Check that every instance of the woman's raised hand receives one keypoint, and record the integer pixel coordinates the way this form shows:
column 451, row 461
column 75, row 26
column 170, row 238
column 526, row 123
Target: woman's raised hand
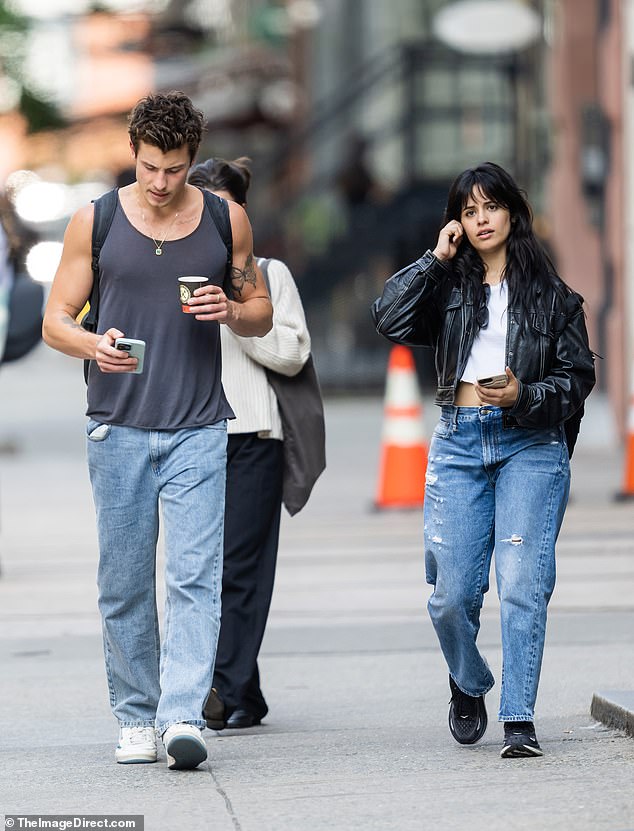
column 448, row 240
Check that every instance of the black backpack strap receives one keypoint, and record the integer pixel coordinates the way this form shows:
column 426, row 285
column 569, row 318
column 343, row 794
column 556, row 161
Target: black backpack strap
column 105, row 207
column 219, row 211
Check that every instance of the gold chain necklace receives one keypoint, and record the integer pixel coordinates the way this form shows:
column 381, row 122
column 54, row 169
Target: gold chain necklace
column 159, row 245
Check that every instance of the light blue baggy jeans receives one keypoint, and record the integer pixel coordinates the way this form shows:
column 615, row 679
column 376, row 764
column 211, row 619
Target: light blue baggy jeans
column 490, row 487
column 132, row 472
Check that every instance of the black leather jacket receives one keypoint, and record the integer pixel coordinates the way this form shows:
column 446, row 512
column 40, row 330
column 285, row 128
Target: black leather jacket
column 425, row 305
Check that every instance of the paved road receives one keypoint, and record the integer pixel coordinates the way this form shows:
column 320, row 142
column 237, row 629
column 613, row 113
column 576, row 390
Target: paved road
column 356, row 737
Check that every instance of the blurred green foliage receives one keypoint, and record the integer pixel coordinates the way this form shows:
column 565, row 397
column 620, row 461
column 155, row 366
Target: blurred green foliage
column 39, row 113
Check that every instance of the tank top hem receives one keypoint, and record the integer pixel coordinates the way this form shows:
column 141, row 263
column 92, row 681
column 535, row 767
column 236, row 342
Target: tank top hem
column 194, row 426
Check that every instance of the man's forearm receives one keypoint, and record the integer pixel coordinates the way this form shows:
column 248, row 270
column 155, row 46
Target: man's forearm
column 62, row 332
column 251, row 319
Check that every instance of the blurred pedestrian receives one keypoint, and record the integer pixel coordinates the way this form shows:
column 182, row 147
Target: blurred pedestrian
column 18, row 333
column 6, row 281
column 15, row 241
column 254, row 473
column 355, row 180
column 6, row 275
column 514, row 369
column 159, row 437
column 359, row 190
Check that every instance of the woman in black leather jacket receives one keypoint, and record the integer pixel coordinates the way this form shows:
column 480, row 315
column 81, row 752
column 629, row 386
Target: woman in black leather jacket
column 514, row 369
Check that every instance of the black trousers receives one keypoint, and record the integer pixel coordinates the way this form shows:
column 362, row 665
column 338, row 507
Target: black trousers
column 252, row 528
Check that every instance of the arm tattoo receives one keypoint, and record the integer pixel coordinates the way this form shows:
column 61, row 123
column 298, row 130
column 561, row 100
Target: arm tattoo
column 240, row 276
column 71, row 323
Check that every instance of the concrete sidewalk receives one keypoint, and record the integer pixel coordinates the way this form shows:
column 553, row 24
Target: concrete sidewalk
column 357, row 733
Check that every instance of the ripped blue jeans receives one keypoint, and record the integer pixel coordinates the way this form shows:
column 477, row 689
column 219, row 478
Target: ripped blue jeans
column 491, row 488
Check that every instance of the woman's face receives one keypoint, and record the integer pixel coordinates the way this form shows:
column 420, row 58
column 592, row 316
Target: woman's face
column 486, row 224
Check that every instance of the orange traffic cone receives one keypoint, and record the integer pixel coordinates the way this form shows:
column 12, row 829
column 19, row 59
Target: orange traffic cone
column 404, row 450
column 628, row 474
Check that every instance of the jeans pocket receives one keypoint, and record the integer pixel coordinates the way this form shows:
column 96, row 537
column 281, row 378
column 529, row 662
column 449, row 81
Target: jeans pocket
column 443, row 429
column 96, row 431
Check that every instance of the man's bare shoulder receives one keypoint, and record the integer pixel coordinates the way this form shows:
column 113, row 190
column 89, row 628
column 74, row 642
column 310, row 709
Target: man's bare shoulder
column 79, row 229
column 84, row 216
column 238, row 218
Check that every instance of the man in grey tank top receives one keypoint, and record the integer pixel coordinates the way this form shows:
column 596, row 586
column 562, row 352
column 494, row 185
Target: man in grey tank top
column 157, row 438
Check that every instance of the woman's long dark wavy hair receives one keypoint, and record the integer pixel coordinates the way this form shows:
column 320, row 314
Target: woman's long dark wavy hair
column 529, row 271
column 221, row 174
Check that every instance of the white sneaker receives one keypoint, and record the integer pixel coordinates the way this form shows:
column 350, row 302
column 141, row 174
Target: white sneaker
column 184, row 746
column 137, row 746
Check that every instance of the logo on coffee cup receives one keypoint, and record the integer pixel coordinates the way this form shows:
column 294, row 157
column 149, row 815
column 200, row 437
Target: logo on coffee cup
column 186, row 288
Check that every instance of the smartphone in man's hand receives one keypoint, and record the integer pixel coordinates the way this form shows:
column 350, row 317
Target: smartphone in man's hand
column 135, row 349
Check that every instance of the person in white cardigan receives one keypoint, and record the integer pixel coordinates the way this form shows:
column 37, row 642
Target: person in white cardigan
column 254, row 474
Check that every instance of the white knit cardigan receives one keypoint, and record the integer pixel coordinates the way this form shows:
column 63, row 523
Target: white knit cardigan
column 285, row 349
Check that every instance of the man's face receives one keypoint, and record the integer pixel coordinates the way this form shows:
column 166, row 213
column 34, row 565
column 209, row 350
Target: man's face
column 161, row 176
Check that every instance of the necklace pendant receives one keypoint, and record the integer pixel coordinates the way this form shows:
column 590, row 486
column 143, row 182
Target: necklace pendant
column 158, row 252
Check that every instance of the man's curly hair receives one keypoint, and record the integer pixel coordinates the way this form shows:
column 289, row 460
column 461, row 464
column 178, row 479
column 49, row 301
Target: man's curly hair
column 167, row 121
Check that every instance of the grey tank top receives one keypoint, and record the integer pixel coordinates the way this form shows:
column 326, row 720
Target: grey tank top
column 181, row 381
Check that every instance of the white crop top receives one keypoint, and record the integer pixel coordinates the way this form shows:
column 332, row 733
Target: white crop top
column 488, row 353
